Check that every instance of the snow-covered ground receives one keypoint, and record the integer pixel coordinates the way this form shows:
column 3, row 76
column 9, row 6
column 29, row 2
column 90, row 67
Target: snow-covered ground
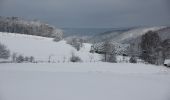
column 84, row 81
column 42, row 48
column 76, row 81
column 134, row 33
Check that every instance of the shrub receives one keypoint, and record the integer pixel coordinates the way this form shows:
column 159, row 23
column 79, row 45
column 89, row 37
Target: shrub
column 133, row 59
column 75, row 58
column 57, row 39
column 31, row 59
column 20, row 59
column 112, row 58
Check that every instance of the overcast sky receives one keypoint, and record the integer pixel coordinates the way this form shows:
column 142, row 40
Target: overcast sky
column 91, row 13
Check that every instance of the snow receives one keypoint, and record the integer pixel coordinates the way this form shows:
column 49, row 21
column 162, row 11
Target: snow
column 87, row 80
column 84, row 81
column 134, row 33
column 117, row 68
column 167, row 61
column 41, row 48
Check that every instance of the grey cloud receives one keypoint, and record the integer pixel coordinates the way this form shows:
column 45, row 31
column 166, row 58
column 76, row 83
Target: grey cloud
column 91, row 13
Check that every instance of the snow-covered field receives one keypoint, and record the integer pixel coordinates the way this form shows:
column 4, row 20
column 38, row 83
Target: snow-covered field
column 84, row 81
column 42, row 48
column 75, row 81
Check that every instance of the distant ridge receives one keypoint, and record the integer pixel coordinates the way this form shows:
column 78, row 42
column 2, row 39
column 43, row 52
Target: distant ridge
column 128, row 34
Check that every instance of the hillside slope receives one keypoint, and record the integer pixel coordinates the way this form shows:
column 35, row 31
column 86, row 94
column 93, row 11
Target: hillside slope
column 42, row 48
column 164, row 33
column 125, row 35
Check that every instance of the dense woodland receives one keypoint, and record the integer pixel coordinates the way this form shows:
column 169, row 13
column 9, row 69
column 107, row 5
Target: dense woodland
column 149, row 47
column 19, row 25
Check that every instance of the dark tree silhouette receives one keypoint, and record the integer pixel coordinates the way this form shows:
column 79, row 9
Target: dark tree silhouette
column 4, row 52
column 151, row 48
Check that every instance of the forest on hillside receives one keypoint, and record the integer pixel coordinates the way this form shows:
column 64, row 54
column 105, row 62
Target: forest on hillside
column 19, row 25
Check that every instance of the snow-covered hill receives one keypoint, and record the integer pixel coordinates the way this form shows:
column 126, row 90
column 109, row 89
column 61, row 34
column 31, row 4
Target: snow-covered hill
column 125, row 35
column 75, row 81
column 134, row 33
column 109, row 35
column 164, row 33
column 42, row 48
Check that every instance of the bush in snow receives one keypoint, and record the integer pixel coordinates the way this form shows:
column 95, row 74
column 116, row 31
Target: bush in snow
column 112, row 58
column 4, row 52
column 133, row 59
column 26, row 59
column 20, row 59
column 57, row 39
column 75, row 58
column 31, row 59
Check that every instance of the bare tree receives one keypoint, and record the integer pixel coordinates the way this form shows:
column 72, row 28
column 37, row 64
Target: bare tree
column 32, row 59
column 151, row 48
column 4, row 52
column 166, row 48
column 49, row 58
column 58, row 35
column 76, row 43
column 91, row 57
column 109, row 52
column 14, row 57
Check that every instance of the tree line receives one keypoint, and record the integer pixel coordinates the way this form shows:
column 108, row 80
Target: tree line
column 16, row 58
column 149, row 48
column 19, row 25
